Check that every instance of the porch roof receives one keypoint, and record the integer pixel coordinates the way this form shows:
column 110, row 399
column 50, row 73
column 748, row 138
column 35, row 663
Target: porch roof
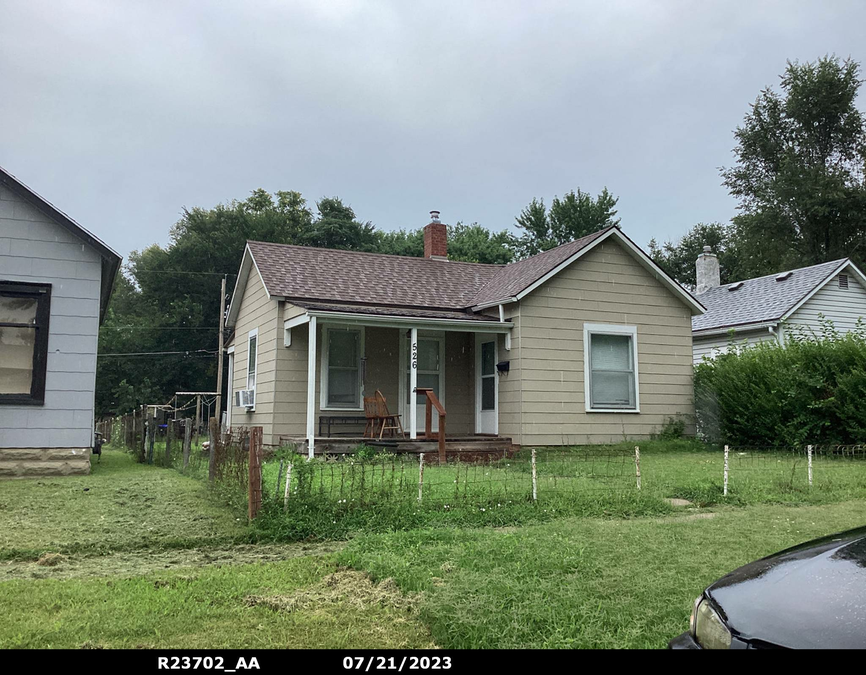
column 392, row 311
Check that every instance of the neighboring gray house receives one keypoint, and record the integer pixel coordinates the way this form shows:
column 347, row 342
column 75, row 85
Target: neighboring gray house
column 589, row 342
column 757, row 310
column 55, row 282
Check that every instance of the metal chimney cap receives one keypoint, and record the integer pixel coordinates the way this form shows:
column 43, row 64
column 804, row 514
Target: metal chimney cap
column 434, row 216
column 708, row 249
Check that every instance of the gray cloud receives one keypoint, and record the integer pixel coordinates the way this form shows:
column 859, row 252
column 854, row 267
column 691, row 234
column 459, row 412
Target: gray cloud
column 122, row 113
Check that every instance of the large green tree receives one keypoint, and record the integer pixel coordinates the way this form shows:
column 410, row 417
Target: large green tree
column 167, row 299
column 575, row 215
column 799, row 172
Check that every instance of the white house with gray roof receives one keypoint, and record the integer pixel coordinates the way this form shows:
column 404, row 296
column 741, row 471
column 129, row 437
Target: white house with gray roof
column 768, row 307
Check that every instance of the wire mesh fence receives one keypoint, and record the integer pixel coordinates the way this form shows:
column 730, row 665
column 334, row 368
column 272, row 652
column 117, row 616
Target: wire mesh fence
column 794, row 469
column 572, row 475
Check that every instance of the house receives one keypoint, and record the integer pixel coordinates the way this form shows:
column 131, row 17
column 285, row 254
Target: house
column 766, row 308
column 55, row 282
column 589, row 342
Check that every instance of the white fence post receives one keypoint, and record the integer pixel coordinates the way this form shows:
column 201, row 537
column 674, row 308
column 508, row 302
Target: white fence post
column 534, row 478
column 725, row 493
column 809, row 456
column 637, row 465
column 288, row 482
column 420, row 476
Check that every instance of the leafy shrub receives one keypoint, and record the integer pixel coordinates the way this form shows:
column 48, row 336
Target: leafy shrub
column 812, row 390
column 673, row 429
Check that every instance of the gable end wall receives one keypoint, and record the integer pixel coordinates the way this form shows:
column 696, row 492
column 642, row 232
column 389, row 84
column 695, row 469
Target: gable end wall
column 542, row 399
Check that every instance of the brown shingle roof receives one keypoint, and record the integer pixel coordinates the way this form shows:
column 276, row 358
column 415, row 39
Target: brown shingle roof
column 512, row 279
column 302, row 272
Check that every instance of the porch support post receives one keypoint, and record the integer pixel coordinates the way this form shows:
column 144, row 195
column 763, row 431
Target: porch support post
column 311, row 389
column 413, row 385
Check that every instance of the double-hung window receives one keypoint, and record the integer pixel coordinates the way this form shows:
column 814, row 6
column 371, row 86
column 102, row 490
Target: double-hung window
column 24, row 312
column 610, row 360
column 341, row 368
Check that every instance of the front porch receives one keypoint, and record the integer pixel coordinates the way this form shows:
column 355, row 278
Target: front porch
column 416, row 365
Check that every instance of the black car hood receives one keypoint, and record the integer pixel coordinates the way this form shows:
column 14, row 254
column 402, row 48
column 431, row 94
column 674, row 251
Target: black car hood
column 809, row 596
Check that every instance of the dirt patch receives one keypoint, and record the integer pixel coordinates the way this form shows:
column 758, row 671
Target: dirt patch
column 137, row 563
column 345, row 588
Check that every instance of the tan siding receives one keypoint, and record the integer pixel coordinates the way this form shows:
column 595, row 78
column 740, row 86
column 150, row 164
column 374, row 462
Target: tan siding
column 257, row 311
column 542, row 398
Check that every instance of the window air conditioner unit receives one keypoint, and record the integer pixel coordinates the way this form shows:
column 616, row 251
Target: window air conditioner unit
column 245, row 398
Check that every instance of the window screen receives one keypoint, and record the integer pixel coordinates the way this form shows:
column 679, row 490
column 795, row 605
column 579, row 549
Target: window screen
column 612, row 381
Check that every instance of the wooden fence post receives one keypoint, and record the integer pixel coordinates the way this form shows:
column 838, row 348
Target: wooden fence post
column 420, row 476
column 534, row 478
column 637, row 465
column 187, row 441
column 169, row 439
column 151, row 433
column 213, row 436
column 809, row 455
column 255, row 469
column 725, row 491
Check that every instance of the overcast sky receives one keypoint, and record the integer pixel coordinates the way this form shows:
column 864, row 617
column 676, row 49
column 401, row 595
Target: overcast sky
column 123, row 112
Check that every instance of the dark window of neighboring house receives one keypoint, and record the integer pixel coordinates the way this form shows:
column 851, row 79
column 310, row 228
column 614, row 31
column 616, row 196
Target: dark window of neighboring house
column 24, row 310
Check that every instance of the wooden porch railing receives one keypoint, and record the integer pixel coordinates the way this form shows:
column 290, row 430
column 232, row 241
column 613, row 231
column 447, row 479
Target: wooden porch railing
column 434, row 402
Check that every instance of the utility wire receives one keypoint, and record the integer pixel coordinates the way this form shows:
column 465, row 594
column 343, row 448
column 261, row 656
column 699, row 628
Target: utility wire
column 201, row 353
column 159, row 328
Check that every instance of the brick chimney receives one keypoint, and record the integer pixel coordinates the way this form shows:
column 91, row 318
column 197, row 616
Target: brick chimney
column 436, row 238
column 707, row 269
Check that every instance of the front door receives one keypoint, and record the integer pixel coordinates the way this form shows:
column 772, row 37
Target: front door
column 486, row 386
column 431, row 373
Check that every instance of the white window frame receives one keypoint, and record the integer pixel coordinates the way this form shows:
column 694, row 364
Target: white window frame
column 608, row 329
column 323, row 375
column 254, row 333
column 230, row 388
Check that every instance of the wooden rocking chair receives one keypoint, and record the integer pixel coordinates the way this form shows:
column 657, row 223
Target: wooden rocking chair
column 371, row 412
column 390, row 422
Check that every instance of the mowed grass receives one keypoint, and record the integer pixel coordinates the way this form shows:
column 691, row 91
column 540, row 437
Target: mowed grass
column 306, row 602
column 121, row 505
column 582, row 583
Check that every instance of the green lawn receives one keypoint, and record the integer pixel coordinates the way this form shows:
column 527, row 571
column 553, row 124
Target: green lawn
column 575, row 582
column 306, row 602
column 121, row 505
column 150, row 558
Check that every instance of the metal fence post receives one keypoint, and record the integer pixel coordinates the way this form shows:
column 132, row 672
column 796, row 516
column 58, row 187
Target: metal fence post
column 637, row 465
column 279, row 480
column 725, row 492
column 534, row 478
column 420, row 476
column 187, row 441
column 809, row 457
column 288, row 483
